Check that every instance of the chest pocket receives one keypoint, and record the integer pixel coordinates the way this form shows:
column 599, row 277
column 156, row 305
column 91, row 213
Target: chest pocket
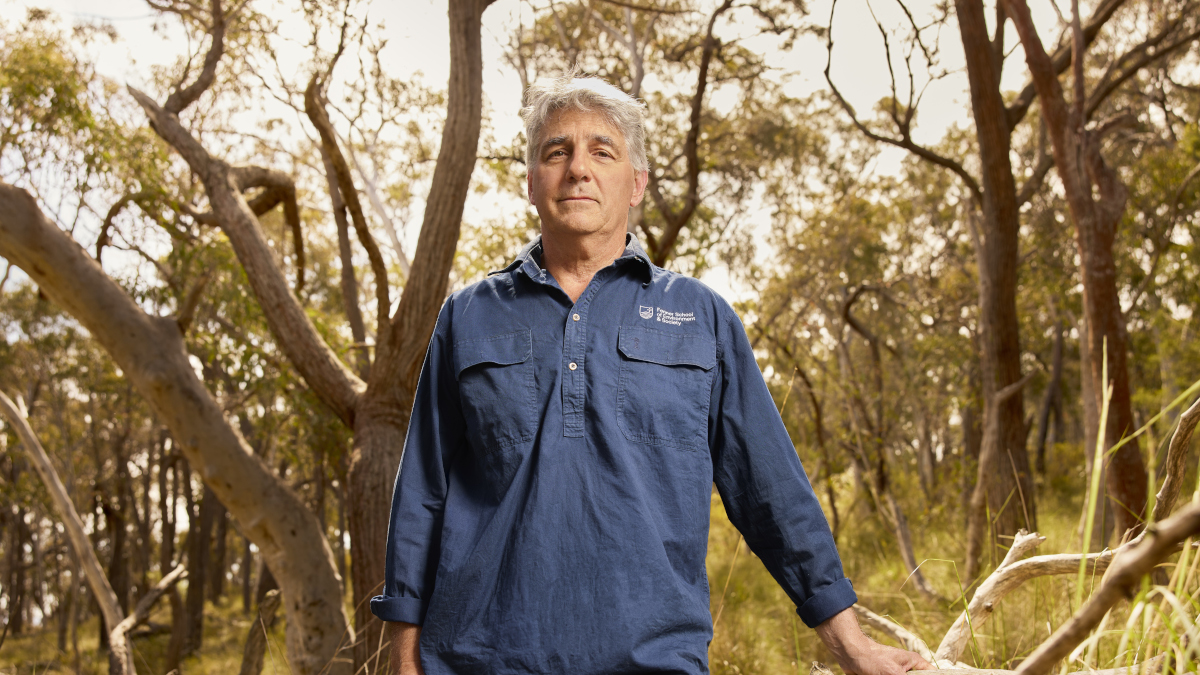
column 496, row 386
column 665, row 387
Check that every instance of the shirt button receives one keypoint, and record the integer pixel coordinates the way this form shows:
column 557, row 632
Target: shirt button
column 575, row 317
column 572, row 366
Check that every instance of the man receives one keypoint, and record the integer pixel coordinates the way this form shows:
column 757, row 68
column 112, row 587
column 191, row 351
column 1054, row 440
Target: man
column 575, row 408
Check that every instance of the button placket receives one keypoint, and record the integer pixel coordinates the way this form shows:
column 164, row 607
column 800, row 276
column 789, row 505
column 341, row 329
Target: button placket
column 574, row 349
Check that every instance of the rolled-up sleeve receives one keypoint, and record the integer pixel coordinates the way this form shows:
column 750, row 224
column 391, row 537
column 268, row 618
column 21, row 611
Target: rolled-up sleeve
column 763, row 486
column 435, row 432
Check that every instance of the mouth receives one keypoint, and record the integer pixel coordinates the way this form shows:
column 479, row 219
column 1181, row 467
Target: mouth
column 577, row 199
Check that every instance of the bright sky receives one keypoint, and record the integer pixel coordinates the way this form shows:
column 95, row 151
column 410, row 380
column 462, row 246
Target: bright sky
column 417, row 31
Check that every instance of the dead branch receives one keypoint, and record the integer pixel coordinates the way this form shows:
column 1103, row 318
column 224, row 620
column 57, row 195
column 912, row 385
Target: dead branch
column 120, row 659
column 120, row 635
column 1008, row 576
column 1136, row 559
column 1148, row 667
column 893, row 630
column 1174, row 465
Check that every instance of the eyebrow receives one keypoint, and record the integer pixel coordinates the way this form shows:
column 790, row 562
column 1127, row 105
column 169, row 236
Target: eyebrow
column 561, row 140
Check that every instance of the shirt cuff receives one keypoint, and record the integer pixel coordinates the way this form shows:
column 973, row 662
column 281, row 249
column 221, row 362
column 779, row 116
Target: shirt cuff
column 820, row 607
column 408, row 610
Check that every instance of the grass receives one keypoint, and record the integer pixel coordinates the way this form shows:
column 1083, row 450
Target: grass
column 758, row 631
column 225, row 631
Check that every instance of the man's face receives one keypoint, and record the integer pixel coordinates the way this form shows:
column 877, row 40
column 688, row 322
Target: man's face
column 582, row 181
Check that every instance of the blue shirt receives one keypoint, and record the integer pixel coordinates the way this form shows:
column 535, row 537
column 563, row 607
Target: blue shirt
column 552, row 506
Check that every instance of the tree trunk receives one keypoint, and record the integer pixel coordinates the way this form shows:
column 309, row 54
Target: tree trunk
column 120, row 658
column 1103, row 520
column 1009, row 486
column 1096, row 199
column 1052, row 394
column 217, row 566
column 151, row 353
column 381, row 420
column 256, row 638
column 200, row 528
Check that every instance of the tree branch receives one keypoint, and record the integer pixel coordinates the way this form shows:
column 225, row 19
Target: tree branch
column 676, row 221
column 120, row 659
column 1061, row 60
column 185, row 96
column 1136, row 559
column 151, row 352
column 1174, row 466
column 905, row 141
column 314, row 107
column 328, row 377
column 279, row 188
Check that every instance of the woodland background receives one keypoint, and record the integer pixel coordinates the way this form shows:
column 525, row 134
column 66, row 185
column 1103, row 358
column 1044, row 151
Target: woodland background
column 218, row 290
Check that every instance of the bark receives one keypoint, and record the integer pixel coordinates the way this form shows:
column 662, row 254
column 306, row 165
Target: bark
column 980, row 518
column 1096, row 199
column 256, row 639
column 151, row 353
column 381, row 420
column 1009, row 486
column 1091, row 432
column 120, row 656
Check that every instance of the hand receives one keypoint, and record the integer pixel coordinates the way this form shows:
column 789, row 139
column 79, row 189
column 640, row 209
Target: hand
column 858, row 654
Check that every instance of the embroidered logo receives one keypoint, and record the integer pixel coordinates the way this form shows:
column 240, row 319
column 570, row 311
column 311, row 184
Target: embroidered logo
column 674, row 318
column 645, row 312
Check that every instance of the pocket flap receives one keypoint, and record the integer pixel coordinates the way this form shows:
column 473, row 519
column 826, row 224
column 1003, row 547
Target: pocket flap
column 502, row 350
column 668, row 349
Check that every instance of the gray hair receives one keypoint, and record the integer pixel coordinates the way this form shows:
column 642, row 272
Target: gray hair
column 623, row 111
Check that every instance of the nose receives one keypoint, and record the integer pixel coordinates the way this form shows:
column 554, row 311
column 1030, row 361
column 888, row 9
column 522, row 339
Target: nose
column 579, row 170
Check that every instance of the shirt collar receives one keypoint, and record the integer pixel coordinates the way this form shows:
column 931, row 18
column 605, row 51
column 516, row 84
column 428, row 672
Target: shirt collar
column 529, row 259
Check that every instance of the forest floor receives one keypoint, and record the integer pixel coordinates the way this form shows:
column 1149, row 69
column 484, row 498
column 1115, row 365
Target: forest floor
column 756, row 628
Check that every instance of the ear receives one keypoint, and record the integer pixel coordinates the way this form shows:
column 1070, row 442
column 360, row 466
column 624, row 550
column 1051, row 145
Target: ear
column 639, row 187
column 529, row 185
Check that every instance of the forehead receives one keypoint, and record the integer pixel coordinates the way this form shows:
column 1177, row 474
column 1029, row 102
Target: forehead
column 572, row 122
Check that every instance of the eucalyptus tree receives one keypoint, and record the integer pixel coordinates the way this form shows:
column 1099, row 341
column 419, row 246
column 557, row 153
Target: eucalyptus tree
column 1097, row 198
column 150, row 350
column 708, row 162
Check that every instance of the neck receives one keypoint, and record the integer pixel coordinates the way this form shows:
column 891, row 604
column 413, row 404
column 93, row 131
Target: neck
column 574, row 260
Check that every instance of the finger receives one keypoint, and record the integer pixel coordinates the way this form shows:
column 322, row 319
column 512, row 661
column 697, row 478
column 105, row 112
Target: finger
column 918, row 663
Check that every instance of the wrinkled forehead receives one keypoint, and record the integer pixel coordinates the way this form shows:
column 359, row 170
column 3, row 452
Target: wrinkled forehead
column 572, row 123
